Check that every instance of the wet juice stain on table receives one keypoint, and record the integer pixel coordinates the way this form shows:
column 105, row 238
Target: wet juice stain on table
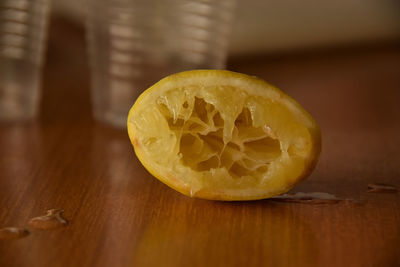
column 382, row 188
column 8, row 233
column 308, row 198
column 53, row 219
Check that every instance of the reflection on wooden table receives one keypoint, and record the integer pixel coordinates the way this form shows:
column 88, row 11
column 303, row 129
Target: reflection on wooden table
column 119, row 215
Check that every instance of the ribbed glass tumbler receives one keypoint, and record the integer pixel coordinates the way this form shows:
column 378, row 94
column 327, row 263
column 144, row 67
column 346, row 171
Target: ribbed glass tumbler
column 23, row 30
column 134, row 43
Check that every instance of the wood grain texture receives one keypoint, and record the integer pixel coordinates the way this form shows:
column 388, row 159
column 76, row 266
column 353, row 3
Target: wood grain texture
column 119, row 215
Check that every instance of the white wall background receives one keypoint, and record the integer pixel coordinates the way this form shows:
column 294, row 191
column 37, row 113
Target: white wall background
column 276, row 25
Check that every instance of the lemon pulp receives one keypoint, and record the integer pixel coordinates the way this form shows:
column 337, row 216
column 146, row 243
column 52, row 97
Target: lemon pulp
column 222, row 135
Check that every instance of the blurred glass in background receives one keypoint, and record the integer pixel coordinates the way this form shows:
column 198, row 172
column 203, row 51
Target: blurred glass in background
column 135, row 43
column 23, row 29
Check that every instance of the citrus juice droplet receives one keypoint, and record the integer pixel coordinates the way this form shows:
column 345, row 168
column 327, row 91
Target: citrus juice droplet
column 13, row 233
column 53, row 219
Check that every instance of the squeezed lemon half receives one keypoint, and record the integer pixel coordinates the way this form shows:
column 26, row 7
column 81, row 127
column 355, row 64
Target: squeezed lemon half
column 222, row 135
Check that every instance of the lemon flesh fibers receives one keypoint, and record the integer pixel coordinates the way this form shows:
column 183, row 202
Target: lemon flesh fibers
column 222, row 135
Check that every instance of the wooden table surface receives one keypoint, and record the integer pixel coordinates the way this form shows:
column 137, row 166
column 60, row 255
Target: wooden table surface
column 119, row 215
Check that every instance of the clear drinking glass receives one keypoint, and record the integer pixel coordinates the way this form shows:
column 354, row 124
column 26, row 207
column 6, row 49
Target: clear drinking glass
column 23, row 30
column 134, row 43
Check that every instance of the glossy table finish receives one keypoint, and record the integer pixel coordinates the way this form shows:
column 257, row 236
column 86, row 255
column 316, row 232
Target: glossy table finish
column 119, row 215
